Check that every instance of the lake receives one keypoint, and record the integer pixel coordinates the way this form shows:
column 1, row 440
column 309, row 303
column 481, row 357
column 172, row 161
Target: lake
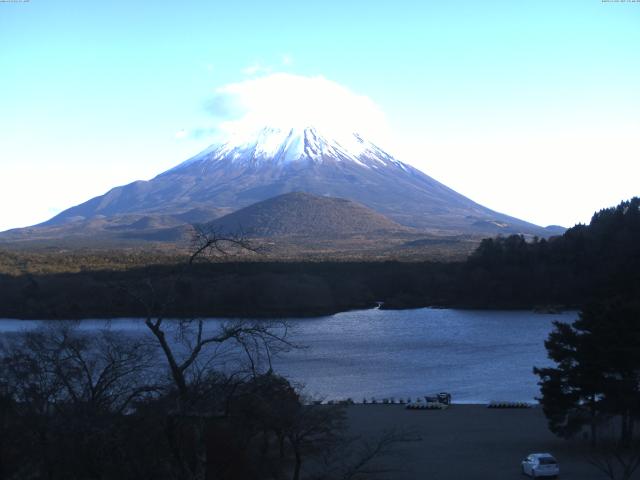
column 477, row 356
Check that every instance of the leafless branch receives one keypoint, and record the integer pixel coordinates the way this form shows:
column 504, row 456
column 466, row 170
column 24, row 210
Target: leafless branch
column 208, row 242
column 616, row 460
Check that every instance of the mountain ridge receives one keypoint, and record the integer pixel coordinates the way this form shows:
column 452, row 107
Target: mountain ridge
column 247, row 169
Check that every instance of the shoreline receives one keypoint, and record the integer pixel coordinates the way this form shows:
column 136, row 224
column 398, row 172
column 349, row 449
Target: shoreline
column 266, row 316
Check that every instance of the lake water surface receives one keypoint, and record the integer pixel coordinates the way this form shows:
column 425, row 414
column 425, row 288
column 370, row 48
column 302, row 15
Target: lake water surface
column 477, row 356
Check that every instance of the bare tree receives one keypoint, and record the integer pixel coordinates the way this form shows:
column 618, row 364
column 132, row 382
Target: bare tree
column 103, row 371
column 313, row 430
column 66, row 391
column 617, row 462
column 7, row 426
column 358, row 458
column 366, row 461
column 318, row 437
column 614, row 457
column 188, row 344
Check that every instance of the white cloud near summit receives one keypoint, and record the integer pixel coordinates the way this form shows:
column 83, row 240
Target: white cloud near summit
column 284, row 100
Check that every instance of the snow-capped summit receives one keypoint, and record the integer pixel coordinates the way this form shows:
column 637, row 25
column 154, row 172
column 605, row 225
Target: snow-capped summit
column 280, row 146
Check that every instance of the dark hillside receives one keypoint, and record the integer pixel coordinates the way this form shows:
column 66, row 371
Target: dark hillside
column 306, row 215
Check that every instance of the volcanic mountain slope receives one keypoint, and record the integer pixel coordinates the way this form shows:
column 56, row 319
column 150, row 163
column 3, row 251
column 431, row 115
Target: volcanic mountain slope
column 305, row 215
column 248, row 169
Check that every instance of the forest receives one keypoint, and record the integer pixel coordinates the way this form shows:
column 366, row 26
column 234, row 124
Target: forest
column 599, row 260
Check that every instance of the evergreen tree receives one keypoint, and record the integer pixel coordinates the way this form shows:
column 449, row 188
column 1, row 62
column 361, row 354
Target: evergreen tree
column 597, row 373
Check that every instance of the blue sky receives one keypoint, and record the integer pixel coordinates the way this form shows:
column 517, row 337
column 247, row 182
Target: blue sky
column 531, row 107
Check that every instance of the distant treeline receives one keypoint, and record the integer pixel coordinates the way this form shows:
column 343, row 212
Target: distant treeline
column 586, row 263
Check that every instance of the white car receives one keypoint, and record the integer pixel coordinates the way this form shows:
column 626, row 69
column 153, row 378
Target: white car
column 540, row 465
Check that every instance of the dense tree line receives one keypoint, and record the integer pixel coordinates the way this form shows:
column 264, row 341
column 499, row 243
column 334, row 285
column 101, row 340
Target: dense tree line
column 594, row 387
column 256, row 289
column 596, row 261
column 599, row 260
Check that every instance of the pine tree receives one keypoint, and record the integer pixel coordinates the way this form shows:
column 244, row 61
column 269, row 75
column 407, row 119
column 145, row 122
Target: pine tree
column 597, row 373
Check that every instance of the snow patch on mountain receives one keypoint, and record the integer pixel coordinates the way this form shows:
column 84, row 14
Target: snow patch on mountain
column 282, row 146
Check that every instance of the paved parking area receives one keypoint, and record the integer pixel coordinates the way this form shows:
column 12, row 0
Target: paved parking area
column 469, row 442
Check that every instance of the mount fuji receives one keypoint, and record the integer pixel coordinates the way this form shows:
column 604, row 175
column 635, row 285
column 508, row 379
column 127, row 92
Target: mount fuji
column 246, row 169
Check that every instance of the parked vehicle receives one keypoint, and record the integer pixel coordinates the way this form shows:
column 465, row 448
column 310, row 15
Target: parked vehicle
column 540, row 465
